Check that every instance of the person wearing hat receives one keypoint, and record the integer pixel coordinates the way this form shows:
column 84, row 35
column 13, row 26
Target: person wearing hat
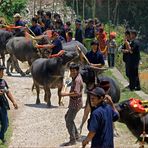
column 4, row 105
column 105, row 85
column 17, row 20
column 94, row 56
column 111, row 49
column 100, row 125
column 78, row 31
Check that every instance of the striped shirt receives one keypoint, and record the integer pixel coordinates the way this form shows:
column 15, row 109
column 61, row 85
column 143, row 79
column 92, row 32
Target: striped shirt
column 77, row 86
column 112, row 48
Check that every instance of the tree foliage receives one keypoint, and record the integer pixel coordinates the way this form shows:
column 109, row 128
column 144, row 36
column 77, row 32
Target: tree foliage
column 9, row 7
column 132, row 13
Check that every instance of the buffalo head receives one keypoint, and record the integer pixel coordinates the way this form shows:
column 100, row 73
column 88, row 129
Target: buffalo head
column 126, row 112
column 89, row 73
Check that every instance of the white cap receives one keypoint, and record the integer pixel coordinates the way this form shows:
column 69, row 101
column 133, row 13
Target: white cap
column 17, row 15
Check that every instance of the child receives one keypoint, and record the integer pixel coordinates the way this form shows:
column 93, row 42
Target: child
column 100, row 124
column 75, row 103
column 4, row 106
column 111, row 44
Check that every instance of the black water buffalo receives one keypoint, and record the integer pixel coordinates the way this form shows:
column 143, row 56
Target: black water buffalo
column 4, row 38
column 133, row 120
column 91, row 77
column 49, row 73
column 88, row 76
column 21, row 49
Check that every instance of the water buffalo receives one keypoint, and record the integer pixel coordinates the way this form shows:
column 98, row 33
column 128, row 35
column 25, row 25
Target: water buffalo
column 88, row 76
column 133, row 120
column 49, row 73
column 91, row 78
column 4, row 38
column 21, row 49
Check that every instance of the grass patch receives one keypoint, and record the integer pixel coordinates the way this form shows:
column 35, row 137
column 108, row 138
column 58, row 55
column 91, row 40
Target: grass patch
column 142, row 67
column 126, row 94
column 8, row 134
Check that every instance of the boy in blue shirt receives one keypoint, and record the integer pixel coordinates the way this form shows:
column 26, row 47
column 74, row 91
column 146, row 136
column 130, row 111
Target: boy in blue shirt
column 100, row 124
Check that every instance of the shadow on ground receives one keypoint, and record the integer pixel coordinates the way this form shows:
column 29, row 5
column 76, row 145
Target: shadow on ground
column 42, row 105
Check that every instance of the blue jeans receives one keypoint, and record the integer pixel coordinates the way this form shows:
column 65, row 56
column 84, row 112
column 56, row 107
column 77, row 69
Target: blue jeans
column 111, row 60
column 3, row 122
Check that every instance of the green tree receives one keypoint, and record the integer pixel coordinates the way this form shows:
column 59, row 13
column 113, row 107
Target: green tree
column 8, row 7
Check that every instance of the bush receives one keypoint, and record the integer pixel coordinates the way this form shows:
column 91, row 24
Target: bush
column 9, row 8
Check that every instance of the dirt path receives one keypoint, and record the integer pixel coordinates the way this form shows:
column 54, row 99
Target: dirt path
column 38, row 126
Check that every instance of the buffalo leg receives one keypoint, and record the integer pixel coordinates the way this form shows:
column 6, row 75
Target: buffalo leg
column 38, row 93
column 60, row 98
column 29, row 69
column 3, row 59
column 17, row 67
column 8, row 66
column 47, row 96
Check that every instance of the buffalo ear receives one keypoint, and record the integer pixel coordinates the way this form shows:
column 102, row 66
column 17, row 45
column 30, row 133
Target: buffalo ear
column 68, row 57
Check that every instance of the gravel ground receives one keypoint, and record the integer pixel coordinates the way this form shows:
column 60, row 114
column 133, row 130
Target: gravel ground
column 36, row 126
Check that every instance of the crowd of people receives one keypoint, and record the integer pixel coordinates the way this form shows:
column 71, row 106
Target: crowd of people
column 85, row 32
column 94, row 37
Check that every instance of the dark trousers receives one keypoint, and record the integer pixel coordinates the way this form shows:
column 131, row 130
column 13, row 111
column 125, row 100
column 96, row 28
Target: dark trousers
column 70, row 124
column 3, row 122
column 134, row 76
column 127, row 69
column 111, row 60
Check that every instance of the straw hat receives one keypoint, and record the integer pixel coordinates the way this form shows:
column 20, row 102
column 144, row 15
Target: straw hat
column 17, row 15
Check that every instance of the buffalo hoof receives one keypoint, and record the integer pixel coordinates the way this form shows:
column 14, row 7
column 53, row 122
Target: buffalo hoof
column 45, row 99
column 23, row 74
column 48, row 104
column 8, row 74
column 27, row 72
column 61, row 104
column 11, row 69
column 38, row 102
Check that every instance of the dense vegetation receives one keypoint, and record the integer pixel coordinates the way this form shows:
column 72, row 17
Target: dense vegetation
column 9, row 7
column 132, row 13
